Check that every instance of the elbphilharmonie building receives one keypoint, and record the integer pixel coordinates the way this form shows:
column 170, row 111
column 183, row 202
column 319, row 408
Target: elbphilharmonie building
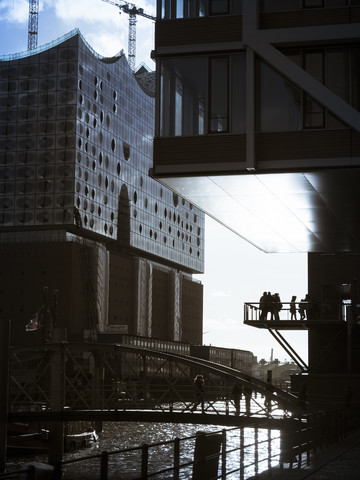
column 83, row 226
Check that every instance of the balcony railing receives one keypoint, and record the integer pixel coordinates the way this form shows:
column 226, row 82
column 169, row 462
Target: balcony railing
column 304, row 311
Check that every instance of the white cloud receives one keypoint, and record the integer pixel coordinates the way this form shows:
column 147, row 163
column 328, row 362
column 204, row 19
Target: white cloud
column 14, row 12
column 220, row 294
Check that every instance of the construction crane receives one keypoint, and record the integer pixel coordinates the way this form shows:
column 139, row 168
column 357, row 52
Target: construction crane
column 132, row 11
column 33, row 24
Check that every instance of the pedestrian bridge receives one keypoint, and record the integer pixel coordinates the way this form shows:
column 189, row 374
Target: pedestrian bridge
column 111, row 382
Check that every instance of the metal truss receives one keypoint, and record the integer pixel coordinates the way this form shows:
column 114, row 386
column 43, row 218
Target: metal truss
column 71, row 377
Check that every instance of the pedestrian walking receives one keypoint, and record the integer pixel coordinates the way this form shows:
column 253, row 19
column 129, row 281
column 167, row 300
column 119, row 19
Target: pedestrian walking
column 236, row 394
column 199, row 392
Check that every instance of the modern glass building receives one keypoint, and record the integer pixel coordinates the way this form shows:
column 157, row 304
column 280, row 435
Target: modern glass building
column 79, row 213
column 258, row 124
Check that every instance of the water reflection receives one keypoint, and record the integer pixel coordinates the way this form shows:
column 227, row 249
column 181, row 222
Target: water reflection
column 116, row 436
column 123, row 435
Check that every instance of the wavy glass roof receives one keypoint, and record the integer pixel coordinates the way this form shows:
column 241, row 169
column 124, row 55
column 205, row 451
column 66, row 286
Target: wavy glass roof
column 54, row 43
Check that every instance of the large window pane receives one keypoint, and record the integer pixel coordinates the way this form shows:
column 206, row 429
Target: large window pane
column 280, row 5
column 178, row 107
column 171, row 9
column 337, row 72
column 314, row 64
column 313, row 3
column 219, row 95
column 183, row 92
column 219, row 7
column 355, row 77
column 280, row 102
column 238, row 94
column 313, row 114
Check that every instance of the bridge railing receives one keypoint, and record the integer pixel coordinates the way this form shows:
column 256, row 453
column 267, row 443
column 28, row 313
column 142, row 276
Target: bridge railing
column 188, row 457
column 56, row 377
column 236, row 452
column 254, row 312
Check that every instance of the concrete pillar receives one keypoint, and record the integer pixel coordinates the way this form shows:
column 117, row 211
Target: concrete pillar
column 4, row 388
column 175, row 306
column 143, row 293
column 57, row 391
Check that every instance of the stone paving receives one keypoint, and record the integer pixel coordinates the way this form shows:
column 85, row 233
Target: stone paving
column 338, row 462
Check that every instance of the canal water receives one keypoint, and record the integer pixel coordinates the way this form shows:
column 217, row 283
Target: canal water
column 122, row 435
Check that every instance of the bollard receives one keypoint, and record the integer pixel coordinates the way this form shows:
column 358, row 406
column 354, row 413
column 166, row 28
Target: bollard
column 206, row 456
column 176, row 458
column 104, row 466
column 144, row 461
column 39, row 471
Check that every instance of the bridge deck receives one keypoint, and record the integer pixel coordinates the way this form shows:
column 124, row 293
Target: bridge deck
column 294, row 324
column 153, row 416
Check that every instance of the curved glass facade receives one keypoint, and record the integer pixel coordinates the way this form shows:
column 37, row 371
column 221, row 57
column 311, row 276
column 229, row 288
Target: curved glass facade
column 76, row 140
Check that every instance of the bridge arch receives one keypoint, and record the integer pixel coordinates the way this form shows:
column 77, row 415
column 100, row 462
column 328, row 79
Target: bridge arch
column 89, row 377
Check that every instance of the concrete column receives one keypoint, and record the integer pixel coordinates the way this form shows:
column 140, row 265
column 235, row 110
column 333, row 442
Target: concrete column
column 57, row 391
column 143, row 294
column 4, row 388
column 175, row 306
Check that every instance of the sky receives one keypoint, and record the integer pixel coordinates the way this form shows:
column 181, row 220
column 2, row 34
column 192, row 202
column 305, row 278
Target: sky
column 235, row 271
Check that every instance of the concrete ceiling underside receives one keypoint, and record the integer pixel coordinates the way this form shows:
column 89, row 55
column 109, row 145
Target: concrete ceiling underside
column 315, row 211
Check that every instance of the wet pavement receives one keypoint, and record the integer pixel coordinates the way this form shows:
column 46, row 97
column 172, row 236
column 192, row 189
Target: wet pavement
column 338, row 462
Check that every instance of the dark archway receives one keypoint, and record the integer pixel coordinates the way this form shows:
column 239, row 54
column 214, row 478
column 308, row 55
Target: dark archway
column 123, row 224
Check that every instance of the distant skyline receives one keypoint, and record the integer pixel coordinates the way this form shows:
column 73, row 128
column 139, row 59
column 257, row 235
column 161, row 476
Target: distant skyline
column 235, row 271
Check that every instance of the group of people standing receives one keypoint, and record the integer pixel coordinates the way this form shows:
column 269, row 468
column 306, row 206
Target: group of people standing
column 272, row 304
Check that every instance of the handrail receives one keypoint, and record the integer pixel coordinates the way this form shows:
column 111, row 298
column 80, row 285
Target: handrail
column 312, row 311
column 295, row 449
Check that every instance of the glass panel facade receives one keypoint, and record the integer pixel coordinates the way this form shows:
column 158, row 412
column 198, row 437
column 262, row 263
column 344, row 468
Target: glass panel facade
column 279, row 102
column 202, row 95
column 174, row 9
column 183, row 93
column 219, row 104
column 313, row 3
column 314, row 114
column 219, row 7
column 338, row 61
column 297, row 5
column 337, row 68
column 355, row 78
column 238, row 94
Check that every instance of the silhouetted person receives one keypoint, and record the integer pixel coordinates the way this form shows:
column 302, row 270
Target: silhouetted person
column 270, row 389
column 236, row 394
column 268, row 305
column 248, row 393
column 262, row 306
column 302, row 308
column 276, row 307
column 199, row 392
column 293, row 308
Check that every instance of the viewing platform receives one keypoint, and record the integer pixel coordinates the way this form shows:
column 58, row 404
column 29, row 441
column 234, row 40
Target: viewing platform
column 315, row 314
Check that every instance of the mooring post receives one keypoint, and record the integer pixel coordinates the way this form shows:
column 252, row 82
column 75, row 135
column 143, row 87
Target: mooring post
column 4, row 388
column 176, row 458
column 56, row 428
column 206, row 456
